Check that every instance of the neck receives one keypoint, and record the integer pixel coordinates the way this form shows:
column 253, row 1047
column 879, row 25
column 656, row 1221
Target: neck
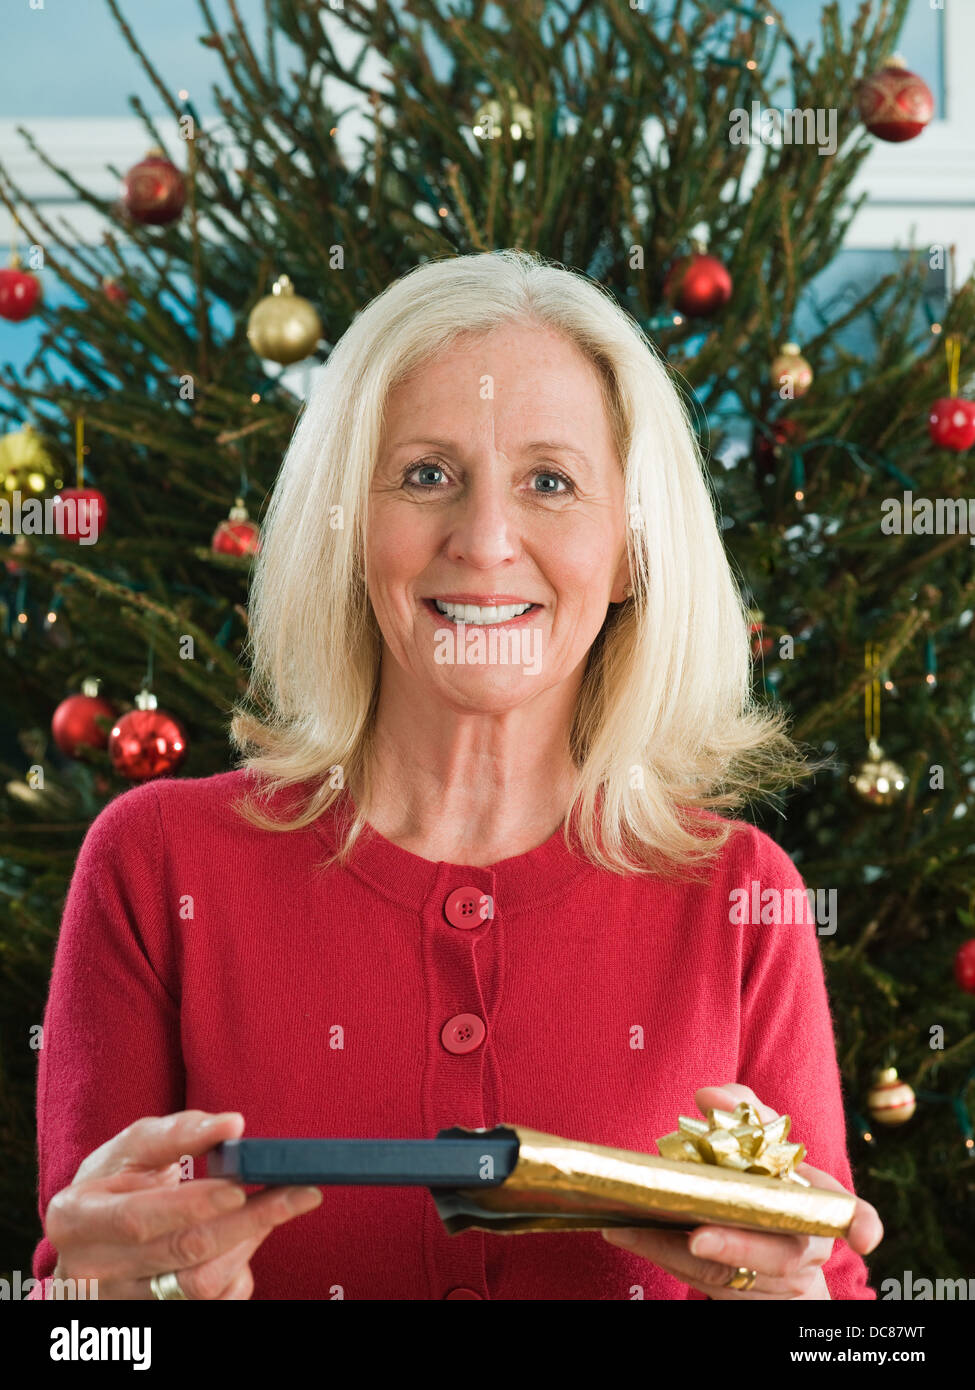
column 468, row 786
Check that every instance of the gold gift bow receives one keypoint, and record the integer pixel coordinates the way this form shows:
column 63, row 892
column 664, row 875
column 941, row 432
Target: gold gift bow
column 737, row 1139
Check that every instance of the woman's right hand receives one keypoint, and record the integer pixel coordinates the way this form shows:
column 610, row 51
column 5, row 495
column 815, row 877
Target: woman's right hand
column 127, row 1216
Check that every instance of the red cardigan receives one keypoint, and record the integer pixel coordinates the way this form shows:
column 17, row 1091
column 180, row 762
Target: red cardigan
column 322, row 1003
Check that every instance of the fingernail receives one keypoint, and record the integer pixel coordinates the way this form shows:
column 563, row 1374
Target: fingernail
column 707, row 1246
column 621, row 1235
column 212, row 1121
column 301, row 1198
column 229, row 1198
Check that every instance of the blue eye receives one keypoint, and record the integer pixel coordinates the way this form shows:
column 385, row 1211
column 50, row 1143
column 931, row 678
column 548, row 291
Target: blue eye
column 548, row 473
column 430, row 484
column 420, row 468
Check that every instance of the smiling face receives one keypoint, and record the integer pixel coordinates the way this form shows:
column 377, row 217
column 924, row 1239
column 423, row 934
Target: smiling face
column 497, row 486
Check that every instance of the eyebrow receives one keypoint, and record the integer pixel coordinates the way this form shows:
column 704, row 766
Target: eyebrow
column 535, row 446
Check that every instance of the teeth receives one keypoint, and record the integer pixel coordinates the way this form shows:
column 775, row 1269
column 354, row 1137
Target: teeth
column 477, row 616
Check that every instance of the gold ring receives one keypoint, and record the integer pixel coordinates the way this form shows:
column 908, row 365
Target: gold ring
column 166, row 1286
column 741, row 1278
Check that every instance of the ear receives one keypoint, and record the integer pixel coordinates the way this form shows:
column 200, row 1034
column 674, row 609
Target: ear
column 622, row 584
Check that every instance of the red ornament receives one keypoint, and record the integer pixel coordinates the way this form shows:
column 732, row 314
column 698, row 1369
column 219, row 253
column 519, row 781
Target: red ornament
column 238, row 535
column 154, row 191
column 768, row 451
column 147, row 742
column 951, row 423
column 965, row 967
column 75, row 723
column 697, row 285
column 20, row 292
column 83, row 520
column 761, row 645
column 15, row 553
column 894, row 104
column 114, row 291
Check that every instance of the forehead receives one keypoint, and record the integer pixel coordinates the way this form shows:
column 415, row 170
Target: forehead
column 517, row 373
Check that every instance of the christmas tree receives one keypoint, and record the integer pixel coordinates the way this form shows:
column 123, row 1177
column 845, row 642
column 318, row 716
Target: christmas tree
column 610, row 137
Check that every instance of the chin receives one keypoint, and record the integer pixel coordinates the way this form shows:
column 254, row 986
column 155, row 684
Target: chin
column 487, row 697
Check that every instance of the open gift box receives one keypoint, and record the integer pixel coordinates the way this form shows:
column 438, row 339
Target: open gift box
column 726, row 1170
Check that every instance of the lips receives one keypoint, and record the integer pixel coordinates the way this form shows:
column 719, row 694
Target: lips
column 482, row 600
column 481, row 615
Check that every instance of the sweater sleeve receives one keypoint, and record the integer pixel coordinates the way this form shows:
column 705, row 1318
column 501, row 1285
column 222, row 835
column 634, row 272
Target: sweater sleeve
column 787, row 1049
column 111, row 1040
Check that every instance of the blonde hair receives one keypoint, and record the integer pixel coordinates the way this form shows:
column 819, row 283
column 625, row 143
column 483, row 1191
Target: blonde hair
column 666, row 731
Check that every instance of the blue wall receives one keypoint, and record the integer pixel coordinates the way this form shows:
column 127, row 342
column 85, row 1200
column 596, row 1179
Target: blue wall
column 69, row 58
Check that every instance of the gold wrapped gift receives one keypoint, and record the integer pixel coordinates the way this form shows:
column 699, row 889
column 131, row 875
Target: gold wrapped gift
column 728, row 1170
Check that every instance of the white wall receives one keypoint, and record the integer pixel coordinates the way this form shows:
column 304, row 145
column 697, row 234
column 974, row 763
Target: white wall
column 925, row 187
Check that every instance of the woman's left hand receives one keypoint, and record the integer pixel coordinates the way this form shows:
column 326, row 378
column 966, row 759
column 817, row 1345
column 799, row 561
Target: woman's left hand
column 788, row 1266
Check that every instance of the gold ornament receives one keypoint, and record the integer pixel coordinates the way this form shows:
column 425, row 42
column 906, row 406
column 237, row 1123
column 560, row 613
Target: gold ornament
column 491, row 120
column 878, row 780
column 890, row 1101
column 790, row 369
column 737, row 1139
column 26, row 466
column 283, row 326
column 21, row 791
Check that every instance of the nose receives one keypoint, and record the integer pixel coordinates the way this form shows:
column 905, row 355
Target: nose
column 483, row 524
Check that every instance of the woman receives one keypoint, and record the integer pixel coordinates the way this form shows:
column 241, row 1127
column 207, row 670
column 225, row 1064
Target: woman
column 471, row 871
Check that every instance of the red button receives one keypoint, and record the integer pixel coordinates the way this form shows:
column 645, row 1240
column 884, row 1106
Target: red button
column 463, row 1033
column 462, row 1293
column 464, row 908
